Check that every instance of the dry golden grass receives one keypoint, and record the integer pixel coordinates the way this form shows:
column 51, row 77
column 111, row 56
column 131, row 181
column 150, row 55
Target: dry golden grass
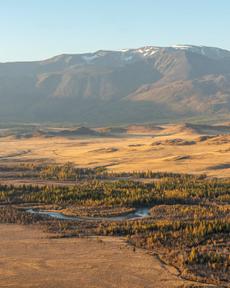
column 129, row 152
column 30, row 259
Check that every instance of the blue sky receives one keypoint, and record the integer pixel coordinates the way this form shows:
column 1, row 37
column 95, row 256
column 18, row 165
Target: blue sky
column 38, row 29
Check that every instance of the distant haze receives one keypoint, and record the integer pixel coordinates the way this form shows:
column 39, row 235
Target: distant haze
column 136, row 85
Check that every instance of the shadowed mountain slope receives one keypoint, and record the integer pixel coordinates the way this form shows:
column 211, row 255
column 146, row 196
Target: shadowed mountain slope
column 145, row 84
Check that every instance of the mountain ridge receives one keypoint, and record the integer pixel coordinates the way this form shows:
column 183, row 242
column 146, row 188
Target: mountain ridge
column 144, row 84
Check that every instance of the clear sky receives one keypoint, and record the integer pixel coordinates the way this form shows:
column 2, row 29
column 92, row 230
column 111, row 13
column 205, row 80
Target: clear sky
column 38, row 29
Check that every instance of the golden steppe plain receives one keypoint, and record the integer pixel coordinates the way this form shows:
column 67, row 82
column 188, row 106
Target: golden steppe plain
column 171, row 148
column 30, row 259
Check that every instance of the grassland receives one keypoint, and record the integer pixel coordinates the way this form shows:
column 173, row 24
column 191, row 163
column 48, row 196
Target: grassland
column 29, row 258
column 171, row 148
column 180, row 173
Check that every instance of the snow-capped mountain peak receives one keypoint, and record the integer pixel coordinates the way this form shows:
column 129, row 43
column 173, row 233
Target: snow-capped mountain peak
column 147, row 50
column 210, row 52
column 127, row 56
column 150, row 51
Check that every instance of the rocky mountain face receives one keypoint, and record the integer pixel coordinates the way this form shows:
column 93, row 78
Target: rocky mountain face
column 131, row 85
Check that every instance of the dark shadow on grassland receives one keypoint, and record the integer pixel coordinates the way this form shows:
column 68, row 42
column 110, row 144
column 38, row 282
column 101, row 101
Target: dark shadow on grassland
column 220, row 166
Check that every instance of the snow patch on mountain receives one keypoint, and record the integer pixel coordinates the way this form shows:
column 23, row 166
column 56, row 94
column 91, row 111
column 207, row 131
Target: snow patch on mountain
column 211, row 52
column 128, row 58
column 147, row 51
column 89, row 58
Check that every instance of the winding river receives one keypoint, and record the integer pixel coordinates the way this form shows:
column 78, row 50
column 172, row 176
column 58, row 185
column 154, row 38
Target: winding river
column 138, row 213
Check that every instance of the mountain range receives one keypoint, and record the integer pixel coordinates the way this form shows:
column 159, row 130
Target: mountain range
column 131, row 85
